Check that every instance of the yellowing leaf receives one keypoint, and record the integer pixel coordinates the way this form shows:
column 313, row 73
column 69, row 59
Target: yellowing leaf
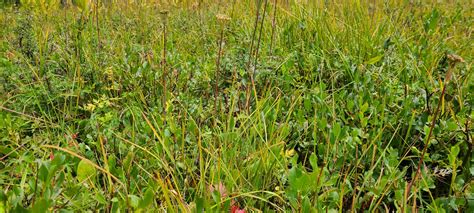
column 374, row 59
column 84, row 5
column 85, row 171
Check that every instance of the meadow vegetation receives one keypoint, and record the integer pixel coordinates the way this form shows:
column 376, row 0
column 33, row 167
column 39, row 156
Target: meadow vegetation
column 252, row 105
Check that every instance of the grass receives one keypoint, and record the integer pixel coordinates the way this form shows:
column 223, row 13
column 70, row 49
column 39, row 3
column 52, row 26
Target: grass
column 308, row 106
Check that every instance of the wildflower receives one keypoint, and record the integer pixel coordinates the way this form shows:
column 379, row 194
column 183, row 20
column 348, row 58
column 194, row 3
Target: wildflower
column 90, row 107
column 223, row 192
column 289, row 153
column 236, row 209
column 109, row 73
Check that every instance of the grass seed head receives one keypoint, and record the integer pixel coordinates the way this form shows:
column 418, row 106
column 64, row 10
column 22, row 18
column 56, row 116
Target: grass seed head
column 222, row 18
column 454, row 59
column 164, row 16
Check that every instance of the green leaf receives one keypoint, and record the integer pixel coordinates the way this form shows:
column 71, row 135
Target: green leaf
column 336, row 130
column 3, row 198
column 455, row 150
column 432, row 21
column 306, row 205
column 43, row 173
column 307, row 104
column 452, row 126
column 364, row 107
column 453, row 155
column 41, row 205
column 453, row 204
column 200, row 204
column 58, row 159
column 216, row 196
column 313, row 160
column 147, row 199
column 399, row 194
column 322, row 123
column 85, row 170
column 374, row 60
column 134, row 200
column 100, row 198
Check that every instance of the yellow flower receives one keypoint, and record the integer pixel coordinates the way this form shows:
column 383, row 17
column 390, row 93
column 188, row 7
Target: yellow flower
column 109, row 73
column 289, row 153
column 90, row 107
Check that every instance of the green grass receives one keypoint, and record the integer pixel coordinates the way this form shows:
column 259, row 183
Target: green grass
column 326, row 109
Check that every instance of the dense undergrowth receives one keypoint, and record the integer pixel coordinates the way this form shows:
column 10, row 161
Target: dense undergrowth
column 320, row 107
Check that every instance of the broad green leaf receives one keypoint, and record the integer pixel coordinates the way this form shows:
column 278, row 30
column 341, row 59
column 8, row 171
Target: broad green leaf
column 85, row 171
column 455, row 150
column 147, row 199
column 364, row 107
column 43, row 173
column 41, row 205
column 452, row 126
column 134, row 200
column 200, row 204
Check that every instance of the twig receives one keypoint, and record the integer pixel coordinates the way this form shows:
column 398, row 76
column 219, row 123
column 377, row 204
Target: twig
column 453, row 59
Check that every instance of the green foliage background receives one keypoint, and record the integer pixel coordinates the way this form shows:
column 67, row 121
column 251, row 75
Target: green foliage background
column 343, row 96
